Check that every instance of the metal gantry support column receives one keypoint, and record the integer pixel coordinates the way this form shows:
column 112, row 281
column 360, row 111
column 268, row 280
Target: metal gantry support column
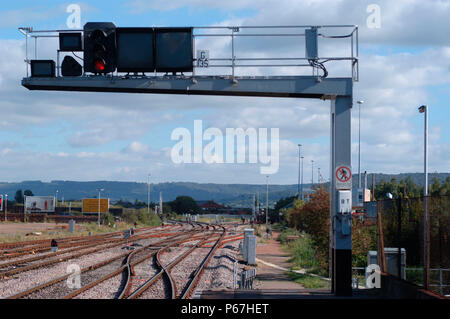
column 340, row 239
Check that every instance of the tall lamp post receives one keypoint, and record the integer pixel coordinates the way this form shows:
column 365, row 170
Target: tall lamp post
column 267, row 199
column 426, row 233
column 299, row 157
column 312, row 173
column 359, row 144
column 301, row 189
column 6, row 207
column 148, row 194
column 99, row 190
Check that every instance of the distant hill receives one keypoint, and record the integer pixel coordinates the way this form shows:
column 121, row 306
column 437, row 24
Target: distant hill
column 236, row 195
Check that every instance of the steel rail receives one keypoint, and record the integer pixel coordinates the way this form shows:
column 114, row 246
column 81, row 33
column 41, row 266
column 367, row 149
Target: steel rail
column 177, row 261
column 42, row 248
column 81, row 241
column 84, row 270
column 193, row 283
column 24, row 244
column 59, row 279
column 88, row 245
column 54, row 261
column 230, row 240
column 128, row 266
column 164, row 270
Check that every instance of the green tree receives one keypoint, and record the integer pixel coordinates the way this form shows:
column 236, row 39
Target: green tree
column 313, row 218
column 283, row 202
column 19, row 196
column 28, row 192
column 185, row 205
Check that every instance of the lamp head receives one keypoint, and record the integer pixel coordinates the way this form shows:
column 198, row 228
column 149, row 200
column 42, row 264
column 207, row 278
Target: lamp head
column 360, row 102
column 422, row 108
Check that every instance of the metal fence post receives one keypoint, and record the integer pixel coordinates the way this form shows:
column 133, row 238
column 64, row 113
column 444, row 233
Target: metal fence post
column 381, row 256
column 399, row 237
column 235, row 274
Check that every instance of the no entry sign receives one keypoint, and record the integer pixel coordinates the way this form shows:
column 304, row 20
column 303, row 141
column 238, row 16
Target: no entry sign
column 343, row 175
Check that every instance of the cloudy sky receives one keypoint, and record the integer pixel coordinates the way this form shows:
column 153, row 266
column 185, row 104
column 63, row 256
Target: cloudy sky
column 404, row 63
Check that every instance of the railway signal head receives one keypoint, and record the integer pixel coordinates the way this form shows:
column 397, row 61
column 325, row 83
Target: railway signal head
column 100, row 47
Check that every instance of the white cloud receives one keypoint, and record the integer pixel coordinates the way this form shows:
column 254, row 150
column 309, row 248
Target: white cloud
column 135, row 147
column 391, row 85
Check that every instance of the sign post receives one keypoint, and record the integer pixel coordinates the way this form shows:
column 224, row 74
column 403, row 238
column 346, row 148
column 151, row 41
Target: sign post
column 341, row 185
column 343, row 175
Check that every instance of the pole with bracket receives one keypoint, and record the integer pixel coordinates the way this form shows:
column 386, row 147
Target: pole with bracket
column 340, row 223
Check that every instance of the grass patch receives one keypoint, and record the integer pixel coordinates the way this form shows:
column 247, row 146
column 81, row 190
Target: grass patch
column 302, row 251
column 308, row 281
column 141, row 217
column 83, row 229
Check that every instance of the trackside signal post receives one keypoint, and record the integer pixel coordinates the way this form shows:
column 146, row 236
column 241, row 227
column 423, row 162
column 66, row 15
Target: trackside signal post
column 141, row 63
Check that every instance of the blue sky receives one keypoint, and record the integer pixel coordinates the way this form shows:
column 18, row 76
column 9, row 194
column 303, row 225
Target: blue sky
column 85, row 136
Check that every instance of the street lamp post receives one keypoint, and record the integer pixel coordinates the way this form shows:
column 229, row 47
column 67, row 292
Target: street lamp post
column 312, row 173
column 148, row 194
column 301, row 189
column 359, row 144
column 267, row 199
column 426, row 233
column 56, row 198
column 99, row 190
column 6, row 207
column 299, row 157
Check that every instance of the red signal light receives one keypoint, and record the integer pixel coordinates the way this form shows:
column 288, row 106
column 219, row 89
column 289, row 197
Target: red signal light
column 99, row 65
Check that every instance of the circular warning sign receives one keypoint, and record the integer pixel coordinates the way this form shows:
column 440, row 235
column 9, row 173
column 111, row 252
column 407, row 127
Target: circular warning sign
column 343, row 174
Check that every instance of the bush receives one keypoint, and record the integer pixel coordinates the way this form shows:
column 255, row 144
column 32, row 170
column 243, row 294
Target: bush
column 107, row 219
column 282, row 237
column 142, row 217
column 313, row 218
column 304, row 255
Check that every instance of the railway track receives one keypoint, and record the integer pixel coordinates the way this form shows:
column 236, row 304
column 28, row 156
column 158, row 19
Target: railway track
column 172, row 285
column 50, row 289
column 121, row 288
column 23, row 248
column 18, row 266
column 169, row 266
column 10, row 247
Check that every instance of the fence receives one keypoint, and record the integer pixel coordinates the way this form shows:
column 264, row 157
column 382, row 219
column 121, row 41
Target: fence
column 401, row 225
column 247, row 278
column 15, row 213
column 40, row 218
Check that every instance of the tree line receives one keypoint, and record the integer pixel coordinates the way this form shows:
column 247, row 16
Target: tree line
column 313, row 217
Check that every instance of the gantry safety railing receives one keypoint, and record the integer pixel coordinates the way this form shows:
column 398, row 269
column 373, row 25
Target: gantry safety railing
column 234, row 58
